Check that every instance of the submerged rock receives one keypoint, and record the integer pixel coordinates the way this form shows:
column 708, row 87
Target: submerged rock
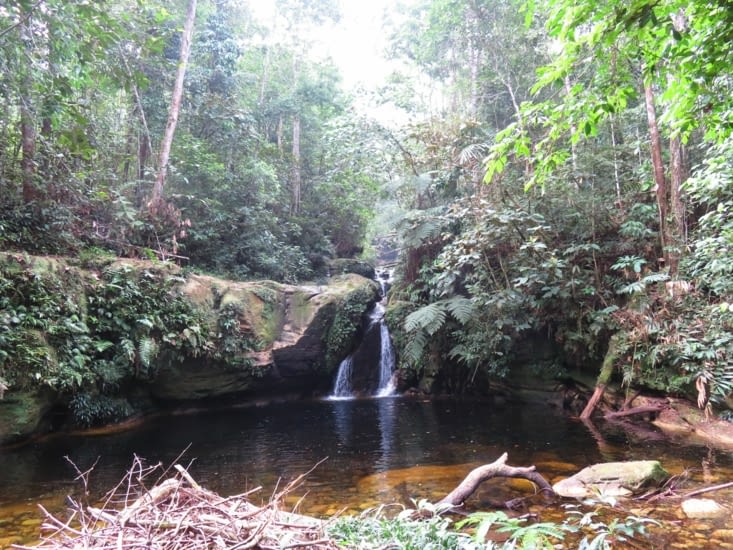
column 703, row 508
column 615, row 479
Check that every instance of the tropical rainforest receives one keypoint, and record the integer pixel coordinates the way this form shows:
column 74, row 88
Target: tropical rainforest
column 549, row 170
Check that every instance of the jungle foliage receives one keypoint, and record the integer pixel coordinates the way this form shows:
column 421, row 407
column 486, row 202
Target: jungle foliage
column 589, row 226
column 84, row 89
column 563, row 174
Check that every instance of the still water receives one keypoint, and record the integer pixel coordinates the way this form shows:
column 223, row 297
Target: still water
column 386, row 450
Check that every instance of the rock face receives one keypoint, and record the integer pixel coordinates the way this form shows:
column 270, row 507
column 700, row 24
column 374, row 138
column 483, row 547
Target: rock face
column 612, row 479
column 301, row 334
column 123, row 338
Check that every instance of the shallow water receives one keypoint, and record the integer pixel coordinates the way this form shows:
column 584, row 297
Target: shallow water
column 376, row 451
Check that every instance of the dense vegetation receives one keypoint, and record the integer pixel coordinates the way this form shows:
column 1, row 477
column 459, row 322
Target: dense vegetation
column 571, row 184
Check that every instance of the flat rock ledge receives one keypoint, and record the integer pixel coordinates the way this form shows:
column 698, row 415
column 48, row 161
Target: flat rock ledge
column 612, row 479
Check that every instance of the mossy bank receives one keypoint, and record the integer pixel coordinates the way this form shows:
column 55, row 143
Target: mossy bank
column 84, row 345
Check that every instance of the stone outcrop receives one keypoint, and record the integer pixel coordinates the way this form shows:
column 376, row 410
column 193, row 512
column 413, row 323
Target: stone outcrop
column 612, row 479
column 293, row 327
column 238, row 341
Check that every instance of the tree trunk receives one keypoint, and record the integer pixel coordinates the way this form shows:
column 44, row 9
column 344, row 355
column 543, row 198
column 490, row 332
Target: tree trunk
column 27, row 126
column 658, row 165
column 175, row 107
column 609, row 362
column 296, row 175
column 678, row 175
column 499, row 468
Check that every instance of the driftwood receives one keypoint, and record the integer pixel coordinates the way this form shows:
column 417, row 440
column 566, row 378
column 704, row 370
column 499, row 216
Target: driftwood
column 179, row 514
column 498, row 468
column 593, row 401
column 635, row 410
column 709, row 489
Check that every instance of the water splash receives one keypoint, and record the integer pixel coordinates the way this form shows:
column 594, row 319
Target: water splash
column 342, row 387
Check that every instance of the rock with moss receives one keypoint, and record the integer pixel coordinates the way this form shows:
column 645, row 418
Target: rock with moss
column 271, row 339
column 89, row 339
column 23, row 414
column 613, row 479
column 342, row 266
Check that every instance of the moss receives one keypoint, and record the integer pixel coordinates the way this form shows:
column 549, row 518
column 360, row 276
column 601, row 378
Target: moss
column 347, row 322
column 22, row 414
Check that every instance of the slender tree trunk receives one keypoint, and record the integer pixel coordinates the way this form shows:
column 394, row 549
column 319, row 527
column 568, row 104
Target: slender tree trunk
column 175, row 107
column 658, row 166
column 678, row 175
column 28, row 141
column 27, row 125
column 280, row 135
column 296, row 175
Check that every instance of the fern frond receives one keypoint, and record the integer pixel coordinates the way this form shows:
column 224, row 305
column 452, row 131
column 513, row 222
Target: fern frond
column 428, row 318
column 147, row 351
column 460, row 307
column 473, row 153
column 415, row 347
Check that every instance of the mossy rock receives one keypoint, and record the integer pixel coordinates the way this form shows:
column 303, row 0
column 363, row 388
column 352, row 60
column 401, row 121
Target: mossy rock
column 23, row 414
column 341, row 266
column 613, row 479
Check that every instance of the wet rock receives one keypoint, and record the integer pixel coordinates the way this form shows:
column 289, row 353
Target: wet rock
column 723, row 534
column 703, row 508
column 614, row 479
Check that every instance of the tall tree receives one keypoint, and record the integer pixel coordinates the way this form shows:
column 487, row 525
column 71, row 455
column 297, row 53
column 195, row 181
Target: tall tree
column 156, row 199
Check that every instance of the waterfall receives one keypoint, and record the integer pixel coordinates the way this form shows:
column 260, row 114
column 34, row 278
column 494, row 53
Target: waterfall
column 342, row 387
column 386, row 363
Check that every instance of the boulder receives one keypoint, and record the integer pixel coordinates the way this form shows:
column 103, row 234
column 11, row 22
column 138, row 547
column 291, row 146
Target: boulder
column 703, row 508
column 615, row 479
column 23, row 414
column 301, row 334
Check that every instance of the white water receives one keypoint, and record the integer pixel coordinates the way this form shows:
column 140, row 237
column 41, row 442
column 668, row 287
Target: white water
column 386, row 363
column 342, row 388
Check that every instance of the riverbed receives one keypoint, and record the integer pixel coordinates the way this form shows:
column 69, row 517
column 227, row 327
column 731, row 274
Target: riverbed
column 368, row 451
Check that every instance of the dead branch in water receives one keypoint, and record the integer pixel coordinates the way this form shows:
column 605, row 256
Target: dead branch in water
column 498, row 468
column 644, row 409
column 178, row 513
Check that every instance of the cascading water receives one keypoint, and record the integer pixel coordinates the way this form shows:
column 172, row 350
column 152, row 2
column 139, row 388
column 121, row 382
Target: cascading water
column 386, row 363
column 343, row 386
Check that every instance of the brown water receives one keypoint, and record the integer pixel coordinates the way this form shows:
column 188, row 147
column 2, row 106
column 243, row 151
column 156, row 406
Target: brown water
column 385, row 450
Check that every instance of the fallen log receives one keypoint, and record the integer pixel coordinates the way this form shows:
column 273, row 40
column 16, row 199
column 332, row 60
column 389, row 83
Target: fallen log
column 499, row 468
column 635, row 410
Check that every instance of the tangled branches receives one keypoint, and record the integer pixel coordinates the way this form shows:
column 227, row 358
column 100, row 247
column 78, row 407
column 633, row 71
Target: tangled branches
column 178, row 513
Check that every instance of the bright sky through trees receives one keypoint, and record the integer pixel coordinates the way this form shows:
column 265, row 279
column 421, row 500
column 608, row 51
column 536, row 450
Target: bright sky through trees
column 356, row 43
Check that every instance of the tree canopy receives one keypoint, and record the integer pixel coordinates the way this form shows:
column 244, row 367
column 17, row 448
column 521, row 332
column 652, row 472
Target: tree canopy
column 556, row 171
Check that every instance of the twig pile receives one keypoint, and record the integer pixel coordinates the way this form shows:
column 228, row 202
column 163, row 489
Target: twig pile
column 178, row 513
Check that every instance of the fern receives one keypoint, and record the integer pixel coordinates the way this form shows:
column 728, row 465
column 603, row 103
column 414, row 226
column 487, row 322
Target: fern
column 459, row 307
column 415, row 347
column 421, row 227
column 147, row 351
column 429, row 318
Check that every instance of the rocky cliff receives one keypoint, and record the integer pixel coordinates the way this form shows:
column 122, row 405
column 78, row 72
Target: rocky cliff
column 84, row 344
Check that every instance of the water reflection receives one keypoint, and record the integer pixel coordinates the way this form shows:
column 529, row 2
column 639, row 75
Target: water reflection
column 377, row 450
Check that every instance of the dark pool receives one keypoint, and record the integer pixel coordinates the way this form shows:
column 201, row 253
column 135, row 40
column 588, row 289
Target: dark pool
column 372, row 451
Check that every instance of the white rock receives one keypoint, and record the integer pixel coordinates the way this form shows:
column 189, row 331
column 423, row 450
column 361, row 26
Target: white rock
column 703, row 508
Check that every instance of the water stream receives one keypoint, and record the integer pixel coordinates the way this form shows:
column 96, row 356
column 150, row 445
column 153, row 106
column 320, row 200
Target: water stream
column 343, row 387
column 377, row 451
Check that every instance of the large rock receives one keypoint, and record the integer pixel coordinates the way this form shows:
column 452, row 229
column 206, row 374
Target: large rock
column 612, row 479
column 300, row 334
column 23, row 414
column 244, row 341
